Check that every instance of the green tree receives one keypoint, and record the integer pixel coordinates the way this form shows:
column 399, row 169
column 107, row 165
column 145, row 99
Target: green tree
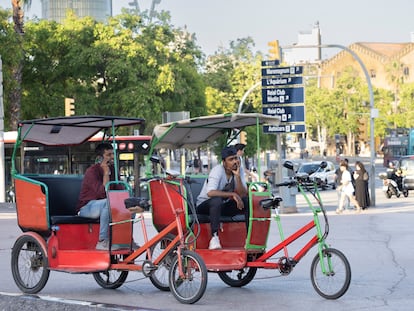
column 122, row 67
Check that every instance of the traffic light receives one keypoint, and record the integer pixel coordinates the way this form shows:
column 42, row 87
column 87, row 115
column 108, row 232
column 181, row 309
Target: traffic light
column 243, row 137
column 274, row 51
column 69, row 107
column 362, row 129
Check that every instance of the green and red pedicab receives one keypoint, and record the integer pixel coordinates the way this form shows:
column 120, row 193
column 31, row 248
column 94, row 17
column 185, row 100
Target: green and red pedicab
column 244, row 251
column 55, row 238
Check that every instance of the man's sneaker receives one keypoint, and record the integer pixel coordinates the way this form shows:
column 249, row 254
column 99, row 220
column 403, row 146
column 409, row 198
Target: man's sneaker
column 214, row 242
column 102, row 245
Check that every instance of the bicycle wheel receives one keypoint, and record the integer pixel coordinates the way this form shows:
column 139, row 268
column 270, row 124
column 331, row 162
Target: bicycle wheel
column 336, row 280
column 111, row 279
column 238, row 278
column 29, row 265
column 159, row 278
column 191, row 287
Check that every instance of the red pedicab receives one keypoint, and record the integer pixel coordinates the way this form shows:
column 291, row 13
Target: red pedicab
column 55, row 238
column 243, row 252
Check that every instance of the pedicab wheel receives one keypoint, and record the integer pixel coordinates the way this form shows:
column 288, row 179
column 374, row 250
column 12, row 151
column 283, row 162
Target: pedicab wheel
column 29, row 265
column 190, row 287
column 111, row 279
column 159, row 278
column 238, row 278
column 334, row 282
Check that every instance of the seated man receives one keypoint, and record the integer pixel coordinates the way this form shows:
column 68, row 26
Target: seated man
column 92, row 198
column 224, row 193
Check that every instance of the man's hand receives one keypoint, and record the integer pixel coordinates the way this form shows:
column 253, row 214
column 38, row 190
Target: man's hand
column 236, row 169
column 239, row 201
column 105, row 167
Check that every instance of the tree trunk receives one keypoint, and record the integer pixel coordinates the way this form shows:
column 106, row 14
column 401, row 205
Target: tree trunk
column 17, row 72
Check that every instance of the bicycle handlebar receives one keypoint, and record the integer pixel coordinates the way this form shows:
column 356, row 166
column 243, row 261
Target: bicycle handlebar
column 291, row 183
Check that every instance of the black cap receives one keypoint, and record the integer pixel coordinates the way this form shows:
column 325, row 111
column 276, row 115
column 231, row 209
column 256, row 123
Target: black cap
column 240, row 146
column 228, row 152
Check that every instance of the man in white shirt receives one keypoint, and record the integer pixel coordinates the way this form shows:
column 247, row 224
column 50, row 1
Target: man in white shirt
column 224, row 193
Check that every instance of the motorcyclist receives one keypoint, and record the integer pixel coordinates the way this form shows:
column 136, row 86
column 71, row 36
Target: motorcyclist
column 398, row 178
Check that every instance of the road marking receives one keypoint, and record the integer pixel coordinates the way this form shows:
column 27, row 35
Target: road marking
column 76, row 302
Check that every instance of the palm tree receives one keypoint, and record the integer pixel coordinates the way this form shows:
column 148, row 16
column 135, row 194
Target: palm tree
column 16, row 92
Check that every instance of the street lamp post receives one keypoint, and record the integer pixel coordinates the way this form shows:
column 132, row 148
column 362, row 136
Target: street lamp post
column 247, row 94
column 373, row 114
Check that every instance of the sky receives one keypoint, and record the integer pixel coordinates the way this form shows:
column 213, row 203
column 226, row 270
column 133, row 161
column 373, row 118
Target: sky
column 217, row 22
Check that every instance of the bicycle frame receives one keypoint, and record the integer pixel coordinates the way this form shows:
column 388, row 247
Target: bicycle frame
column 318, row 238
column 125, row 264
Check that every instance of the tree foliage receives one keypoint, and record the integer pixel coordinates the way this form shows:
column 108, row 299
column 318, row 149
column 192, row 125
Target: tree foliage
column 123, row 67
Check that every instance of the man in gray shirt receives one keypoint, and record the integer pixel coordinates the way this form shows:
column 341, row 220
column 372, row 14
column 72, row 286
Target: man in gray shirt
column 223, row 193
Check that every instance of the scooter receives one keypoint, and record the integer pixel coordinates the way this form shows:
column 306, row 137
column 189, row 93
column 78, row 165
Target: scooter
column 392, row 186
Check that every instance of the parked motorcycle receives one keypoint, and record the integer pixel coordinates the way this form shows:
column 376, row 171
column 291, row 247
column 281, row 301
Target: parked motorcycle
column 392, row 185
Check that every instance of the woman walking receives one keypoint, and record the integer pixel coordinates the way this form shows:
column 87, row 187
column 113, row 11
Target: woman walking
column 361, row 185
column 346, row 188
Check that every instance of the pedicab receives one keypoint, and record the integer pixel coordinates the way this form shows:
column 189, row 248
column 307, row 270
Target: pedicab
column 55, row 238
column 244, row 251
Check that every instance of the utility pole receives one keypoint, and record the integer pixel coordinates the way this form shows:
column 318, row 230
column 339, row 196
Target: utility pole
column 2, row 162
column 152, row 11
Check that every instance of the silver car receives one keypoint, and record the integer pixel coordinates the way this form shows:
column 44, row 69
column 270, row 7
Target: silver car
column 323, row 175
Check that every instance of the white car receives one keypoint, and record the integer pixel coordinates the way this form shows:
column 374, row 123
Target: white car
column 324, row 176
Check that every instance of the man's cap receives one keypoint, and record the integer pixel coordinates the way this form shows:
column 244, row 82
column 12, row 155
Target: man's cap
column 228, row 152
column 240, row 146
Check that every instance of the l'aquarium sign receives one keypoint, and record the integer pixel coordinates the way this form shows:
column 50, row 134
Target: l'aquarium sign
column 287, row 128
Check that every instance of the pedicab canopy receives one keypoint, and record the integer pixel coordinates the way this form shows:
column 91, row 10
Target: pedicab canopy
column 69, row 131
column 74, row 130
column 191, row 133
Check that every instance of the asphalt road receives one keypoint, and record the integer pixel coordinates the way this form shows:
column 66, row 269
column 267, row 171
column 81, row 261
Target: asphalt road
column 377, row 243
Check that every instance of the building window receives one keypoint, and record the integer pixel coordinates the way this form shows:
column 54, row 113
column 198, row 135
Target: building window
column 373, row 74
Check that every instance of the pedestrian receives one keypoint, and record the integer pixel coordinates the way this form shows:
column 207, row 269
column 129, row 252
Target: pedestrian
column 224, row 193
column 338, row 178
column 197, row 165
column 346, row 188
column 361, row 185
column 240, row 154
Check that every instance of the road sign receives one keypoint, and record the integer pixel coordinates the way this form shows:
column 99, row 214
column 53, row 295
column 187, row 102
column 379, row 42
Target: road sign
column 286, row 113
column 284, row 128
column 282, row 71
column 283, row 95
column 270, row 63
column 280, row 81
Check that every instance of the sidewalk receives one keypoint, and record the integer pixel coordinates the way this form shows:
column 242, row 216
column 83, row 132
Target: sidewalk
column 7, row 208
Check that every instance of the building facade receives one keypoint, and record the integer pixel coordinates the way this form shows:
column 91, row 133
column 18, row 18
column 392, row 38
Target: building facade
column 297, row 56
column 378, row 59
column 56, row 10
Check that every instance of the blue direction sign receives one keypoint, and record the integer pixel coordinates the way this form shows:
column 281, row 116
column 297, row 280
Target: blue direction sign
column 287, row 113
column 283, row 95
column 280, row 81
column 270, row 63
column 282, row 71
column 284, row 128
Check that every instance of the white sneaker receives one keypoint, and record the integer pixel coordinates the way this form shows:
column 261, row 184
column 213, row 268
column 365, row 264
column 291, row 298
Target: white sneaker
column 214, row 242
column 102, row 245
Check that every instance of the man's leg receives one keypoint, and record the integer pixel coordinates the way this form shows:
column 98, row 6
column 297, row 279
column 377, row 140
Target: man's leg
column 230, row 209
column 98, row 209
column 212, row 207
